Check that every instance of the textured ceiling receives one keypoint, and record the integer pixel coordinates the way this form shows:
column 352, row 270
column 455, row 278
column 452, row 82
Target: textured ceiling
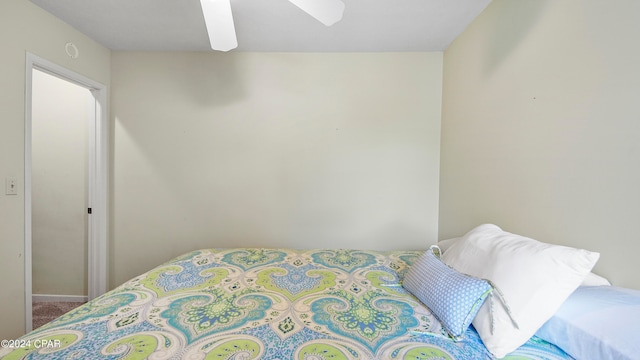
column 270, row 25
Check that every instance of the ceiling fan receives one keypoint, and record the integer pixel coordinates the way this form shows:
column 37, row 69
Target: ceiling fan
column 222, row 32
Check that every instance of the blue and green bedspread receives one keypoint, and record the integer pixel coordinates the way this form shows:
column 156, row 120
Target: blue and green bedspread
column 263, row 304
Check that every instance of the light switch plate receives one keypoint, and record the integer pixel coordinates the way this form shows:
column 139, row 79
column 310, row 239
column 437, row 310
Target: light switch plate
column 11, row 186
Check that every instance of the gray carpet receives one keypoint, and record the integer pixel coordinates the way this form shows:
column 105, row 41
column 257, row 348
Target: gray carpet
column 44, row 312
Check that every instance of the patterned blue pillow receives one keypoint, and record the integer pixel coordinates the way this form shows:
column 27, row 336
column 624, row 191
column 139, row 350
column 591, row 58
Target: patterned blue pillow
column 454, row 298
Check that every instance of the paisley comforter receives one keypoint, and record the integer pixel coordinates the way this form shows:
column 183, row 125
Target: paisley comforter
column 262, row 304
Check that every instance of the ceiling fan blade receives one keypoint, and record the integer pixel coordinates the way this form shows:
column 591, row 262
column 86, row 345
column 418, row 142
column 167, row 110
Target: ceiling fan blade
column 219, row 22
column 327, row 12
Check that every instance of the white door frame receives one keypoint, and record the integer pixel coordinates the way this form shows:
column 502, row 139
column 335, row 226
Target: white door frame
column 97, row 180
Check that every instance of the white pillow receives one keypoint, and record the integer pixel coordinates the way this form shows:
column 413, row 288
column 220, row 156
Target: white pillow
column 535, row 278
column 444, row 245
column 595, row 280
column 590, row 280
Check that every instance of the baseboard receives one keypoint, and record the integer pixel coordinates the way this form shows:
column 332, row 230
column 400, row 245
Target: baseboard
column 58, row 298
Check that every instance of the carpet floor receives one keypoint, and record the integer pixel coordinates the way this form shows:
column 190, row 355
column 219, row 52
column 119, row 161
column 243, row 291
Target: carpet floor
column 44, row 312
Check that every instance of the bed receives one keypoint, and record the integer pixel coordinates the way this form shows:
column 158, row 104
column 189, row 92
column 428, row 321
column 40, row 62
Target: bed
column 257, row 303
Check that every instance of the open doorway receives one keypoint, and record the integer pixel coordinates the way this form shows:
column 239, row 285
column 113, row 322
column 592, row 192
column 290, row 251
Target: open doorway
column 65, row 188
column 61, row 112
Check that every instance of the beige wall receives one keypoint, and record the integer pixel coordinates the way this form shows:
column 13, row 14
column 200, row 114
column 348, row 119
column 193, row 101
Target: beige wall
column 269, row 149
column 25, row 27
column 541, row 129
column 60, row 118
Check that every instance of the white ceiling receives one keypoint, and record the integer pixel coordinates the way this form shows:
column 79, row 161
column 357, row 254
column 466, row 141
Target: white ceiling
column 270, row 25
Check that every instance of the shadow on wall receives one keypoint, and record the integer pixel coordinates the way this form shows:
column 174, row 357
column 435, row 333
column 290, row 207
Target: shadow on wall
column 212, row 79
column 206, row 80
column 510, row 29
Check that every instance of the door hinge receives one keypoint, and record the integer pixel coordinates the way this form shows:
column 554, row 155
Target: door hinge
column 89, row 211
